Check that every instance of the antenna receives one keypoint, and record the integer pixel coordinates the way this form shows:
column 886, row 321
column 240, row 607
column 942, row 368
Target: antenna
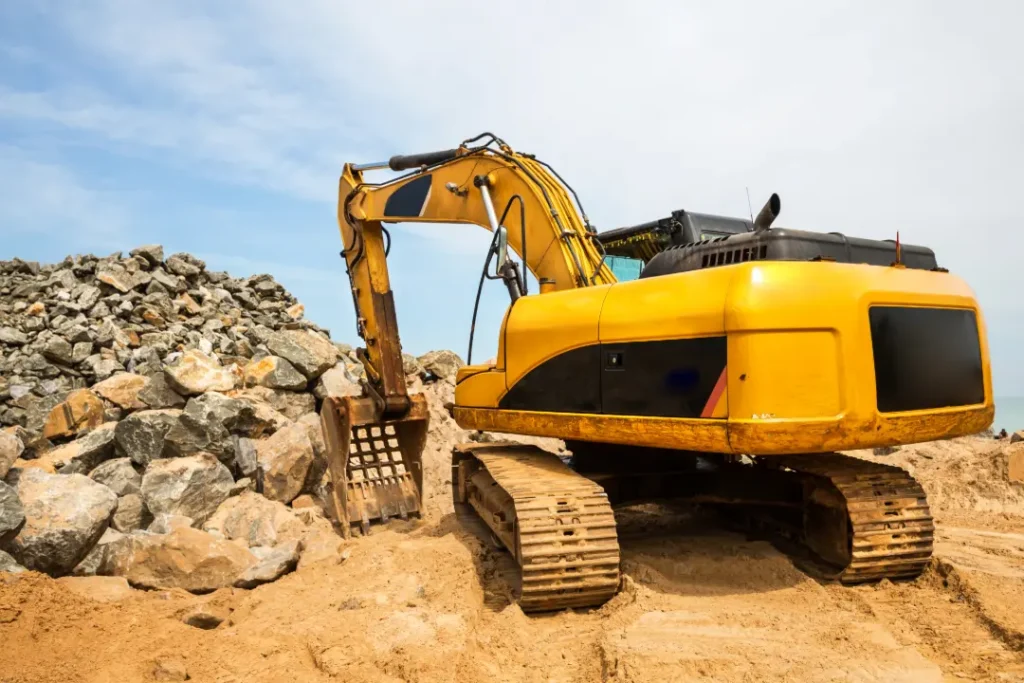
column 749, row 207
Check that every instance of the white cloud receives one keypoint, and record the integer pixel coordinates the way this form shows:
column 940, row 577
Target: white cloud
column 48, row 201
column 867, row 118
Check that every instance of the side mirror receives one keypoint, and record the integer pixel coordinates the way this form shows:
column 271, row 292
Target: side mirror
column 502, row 248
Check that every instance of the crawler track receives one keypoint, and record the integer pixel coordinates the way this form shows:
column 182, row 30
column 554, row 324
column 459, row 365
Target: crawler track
column 558, row 524
column 875, row 516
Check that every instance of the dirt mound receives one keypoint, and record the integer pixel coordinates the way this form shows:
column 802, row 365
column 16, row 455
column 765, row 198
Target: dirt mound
column 963, row 477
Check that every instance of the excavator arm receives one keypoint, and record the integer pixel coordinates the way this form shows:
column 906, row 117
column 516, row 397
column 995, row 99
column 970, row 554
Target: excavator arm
column 488, row 185
column 375, row 441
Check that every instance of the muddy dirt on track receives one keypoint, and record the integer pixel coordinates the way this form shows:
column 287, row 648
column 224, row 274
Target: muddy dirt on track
column 428, row 601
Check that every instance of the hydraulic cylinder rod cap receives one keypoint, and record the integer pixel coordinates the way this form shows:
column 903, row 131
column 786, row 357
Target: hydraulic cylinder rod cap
column 768, row 214
column 401, row 162
column 546, row 285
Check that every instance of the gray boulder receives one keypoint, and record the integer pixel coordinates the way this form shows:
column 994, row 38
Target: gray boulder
column 196, row 373
column 65, row 515
column 119, row 476
column 311, row 354
column 86, row 452
column 208, row 424
column 255, row 520
column 337, row 381
column 159, row 393
column 96, row 561
column 440, row 365
column 9, row 564
column 11, row 449
column 192, row 486
column 131, row 514
column 12, row 514
column 165, row 524
column 274, row 372
column 153, row 253
column 273, row 564
column 140, row 436
column 184, row 558
column 284, row 462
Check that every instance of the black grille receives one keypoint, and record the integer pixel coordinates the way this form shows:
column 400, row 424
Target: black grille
column 926, row 358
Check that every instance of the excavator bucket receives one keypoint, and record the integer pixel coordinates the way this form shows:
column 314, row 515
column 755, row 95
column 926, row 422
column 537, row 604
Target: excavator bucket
column 375, row 465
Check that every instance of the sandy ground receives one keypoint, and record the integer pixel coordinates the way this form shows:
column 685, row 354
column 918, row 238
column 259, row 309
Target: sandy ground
column 427, row 601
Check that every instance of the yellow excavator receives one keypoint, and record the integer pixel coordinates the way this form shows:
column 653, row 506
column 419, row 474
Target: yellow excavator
column 729, row 373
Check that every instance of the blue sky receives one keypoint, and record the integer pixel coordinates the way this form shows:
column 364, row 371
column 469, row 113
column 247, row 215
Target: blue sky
column 220, row 129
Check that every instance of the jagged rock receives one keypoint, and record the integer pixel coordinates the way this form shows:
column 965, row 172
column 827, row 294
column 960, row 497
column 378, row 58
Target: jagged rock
column 208, row 423
column 59, row 350
column 256, row 520
column 291, row 404
column 119, row 476
column 274, row 373
column 80, row 351
column 122, row 390
column 193, row 486
column 245, row 457
column 184, row 558
column 9, row 564
column 311, row 354
column 157, row 393
column 140, row 436
column 98, row 588
column 241, row 486
column 337, row 382
column 411, row 364
column 885, row 450
column 165, row 524
column 284, row 462
column 196, row 373
column 443, row 365
column 12, row 513
column 296, row 312
column 1017, row 436
column 153, row 253
column 11, row 449
column 80, row 411
column 121, row 278
column 96, row 561
column 64, row 517
column 311, row 421
column 13, row 337
column 131, row 514
column 273, row 564
column 185, row 265
column 85, row 453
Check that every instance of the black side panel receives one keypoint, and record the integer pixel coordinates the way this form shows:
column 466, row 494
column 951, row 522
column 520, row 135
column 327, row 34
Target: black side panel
column 672, row 378
column 408, row 200
column 568, row 383
column 926, row 358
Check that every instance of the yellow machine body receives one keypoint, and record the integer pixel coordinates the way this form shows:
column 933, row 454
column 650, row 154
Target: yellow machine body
column 798, row 377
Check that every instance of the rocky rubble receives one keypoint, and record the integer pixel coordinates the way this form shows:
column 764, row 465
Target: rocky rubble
column 158, row 422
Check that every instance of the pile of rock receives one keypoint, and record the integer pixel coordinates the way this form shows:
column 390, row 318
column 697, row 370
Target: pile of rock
column 159, row 422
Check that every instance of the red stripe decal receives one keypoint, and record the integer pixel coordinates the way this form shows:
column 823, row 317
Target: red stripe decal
column 716, row 394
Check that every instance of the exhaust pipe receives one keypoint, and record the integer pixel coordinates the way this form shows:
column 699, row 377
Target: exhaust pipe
column 768, row 214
